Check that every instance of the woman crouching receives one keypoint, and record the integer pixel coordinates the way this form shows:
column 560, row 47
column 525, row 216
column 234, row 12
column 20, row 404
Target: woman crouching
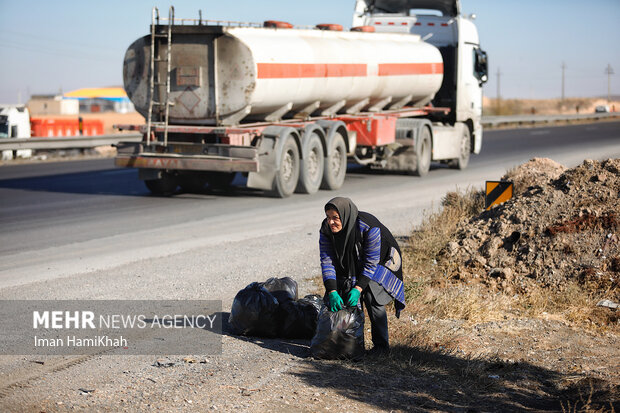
column 360, row 257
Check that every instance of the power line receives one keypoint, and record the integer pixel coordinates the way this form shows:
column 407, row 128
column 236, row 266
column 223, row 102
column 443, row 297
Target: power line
column 22, row 35
column 62, row 53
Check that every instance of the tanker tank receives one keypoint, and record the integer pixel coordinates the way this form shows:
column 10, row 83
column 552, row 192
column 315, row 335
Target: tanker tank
column 228, row 75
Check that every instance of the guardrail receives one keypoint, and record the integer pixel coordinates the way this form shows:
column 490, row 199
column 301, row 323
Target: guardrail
column 81, row 142
column 72, row 142
column 522, row 120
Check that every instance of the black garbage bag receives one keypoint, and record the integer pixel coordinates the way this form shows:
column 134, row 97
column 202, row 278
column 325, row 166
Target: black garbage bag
column 300, row 317
column 315, row 300
column 283, row 289
column 339, row 335
column 255, row 312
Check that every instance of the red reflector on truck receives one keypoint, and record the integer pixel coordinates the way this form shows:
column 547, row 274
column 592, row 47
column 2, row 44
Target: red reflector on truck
column 369, row 29
column 329, row 26
column 276, row 24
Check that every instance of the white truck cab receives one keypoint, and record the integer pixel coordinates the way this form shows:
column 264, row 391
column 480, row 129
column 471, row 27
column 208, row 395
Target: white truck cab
column 15, row 123
column 440, row 23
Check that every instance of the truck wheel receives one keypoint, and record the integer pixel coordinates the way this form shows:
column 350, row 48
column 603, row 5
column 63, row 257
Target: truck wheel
column 312, row 165
column 335, row 164
column 192, row 183
column 287, row 176
column 166, row 185
column 462, row 161
column 220, row 180
column 423, row 153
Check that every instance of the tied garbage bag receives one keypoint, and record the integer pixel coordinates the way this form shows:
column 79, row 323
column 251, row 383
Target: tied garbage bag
column 300, row 317
column 315, row 300
column 255, row 312
column 283, row 289
column 339, row 335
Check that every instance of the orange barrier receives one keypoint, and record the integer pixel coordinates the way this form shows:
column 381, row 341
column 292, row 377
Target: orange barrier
column 51, row 127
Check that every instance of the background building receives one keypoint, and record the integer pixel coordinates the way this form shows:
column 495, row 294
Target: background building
column 52, row 105
column 95, row 100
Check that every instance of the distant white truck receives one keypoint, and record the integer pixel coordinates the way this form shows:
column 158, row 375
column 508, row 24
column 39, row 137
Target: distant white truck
column 15, row 123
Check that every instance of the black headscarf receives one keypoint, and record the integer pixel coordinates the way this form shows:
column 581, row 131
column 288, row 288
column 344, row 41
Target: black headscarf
column 344, row 241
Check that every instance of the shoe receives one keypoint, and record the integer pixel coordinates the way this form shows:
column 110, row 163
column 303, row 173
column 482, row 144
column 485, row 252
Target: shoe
column 378, row 351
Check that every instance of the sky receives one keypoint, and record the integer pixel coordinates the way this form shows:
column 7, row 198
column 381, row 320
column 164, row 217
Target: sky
column 57, row 46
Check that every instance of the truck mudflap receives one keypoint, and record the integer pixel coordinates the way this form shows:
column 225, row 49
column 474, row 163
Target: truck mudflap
column 192, row 157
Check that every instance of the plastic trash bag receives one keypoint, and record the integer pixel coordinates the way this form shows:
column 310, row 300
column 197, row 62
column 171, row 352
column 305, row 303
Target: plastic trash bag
column 255, row 312
column 315, row 300
column 339, row 335
column 300, row 317
column 283, row 289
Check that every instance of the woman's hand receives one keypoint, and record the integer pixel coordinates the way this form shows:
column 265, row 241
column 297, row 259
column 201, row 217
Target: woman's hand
column 335, row 303
column 354, row 296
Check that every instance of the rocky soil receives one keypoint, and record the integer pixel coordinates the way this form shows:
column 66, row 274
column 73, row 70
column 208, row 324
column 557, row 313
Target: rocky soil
column 561, row 227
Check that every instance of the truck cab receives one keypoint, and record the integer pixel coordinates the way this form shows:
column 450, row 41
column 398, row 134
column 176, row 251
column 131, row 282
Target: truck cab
column 15, row 123
column 440, row 23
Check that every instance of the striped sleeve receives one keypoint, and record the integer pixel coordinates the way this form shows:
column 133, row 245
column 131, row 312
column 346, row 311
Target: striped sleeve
column 372, row 254
column 327, row 264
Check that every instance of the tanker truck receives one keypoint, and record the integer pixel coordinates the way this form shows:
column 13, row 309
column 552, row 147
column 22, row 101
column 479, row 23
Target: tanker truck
column 290, row 107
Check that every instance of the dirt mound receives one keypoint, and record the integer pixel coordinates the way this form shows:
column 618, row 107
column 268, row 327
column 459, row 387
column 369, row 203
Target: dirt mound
column 533, row 172
column 560, row 228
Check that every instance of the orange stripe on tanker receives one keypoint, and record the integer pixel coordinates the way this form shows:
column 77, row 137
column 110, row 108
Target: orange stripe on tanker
column 395, row 69
column 305, row 70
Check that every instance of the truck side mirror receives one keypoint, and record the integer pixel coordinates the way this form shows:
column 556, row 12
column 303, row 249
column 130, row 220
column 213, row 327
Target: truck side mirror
column 481, row 66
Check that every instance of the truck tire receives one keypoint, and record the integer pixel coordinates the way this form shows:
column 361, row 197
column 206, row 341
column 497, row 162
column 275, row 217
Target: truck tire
column 423, row 153
column 312, row 165
column 192, row 183
column 287, row 175
column 220, row 180
column 465, row 151
column 164, row 186
column 335, row 164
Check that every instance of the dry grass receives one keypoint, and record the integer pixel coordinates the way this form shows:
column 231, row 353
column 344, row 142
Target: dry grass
column 506, row 107
column 431, row 290
column 428, row 288
column 434, row 339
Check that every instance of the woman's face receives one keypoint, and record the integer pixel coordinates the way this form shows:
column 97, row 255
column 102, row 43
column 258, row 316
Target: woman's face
column 333, row 220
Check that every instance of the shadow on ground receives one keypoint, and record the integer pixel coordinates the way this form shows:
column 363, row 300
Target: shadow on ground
column 428, row 379
column 123, row 182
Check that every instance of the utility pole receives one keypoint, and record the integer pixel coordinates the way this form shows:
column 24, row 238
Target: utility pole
column 609, row 71
column 563, row 69
column 499, row 75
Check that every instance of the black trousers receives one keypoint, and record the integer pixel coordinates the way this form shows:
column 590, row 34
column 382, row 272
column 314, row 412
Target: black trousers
column 378, row 318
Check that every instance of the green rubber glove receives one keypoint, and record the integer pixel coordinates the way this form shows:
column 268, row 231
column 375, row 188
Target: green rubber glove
column 335, row 303
column 354, row 296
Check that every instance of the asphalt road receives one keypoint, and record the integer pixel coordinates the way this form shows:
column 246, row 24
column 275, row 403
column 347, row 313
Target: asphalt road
column 84, row 230
column 66, row 218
